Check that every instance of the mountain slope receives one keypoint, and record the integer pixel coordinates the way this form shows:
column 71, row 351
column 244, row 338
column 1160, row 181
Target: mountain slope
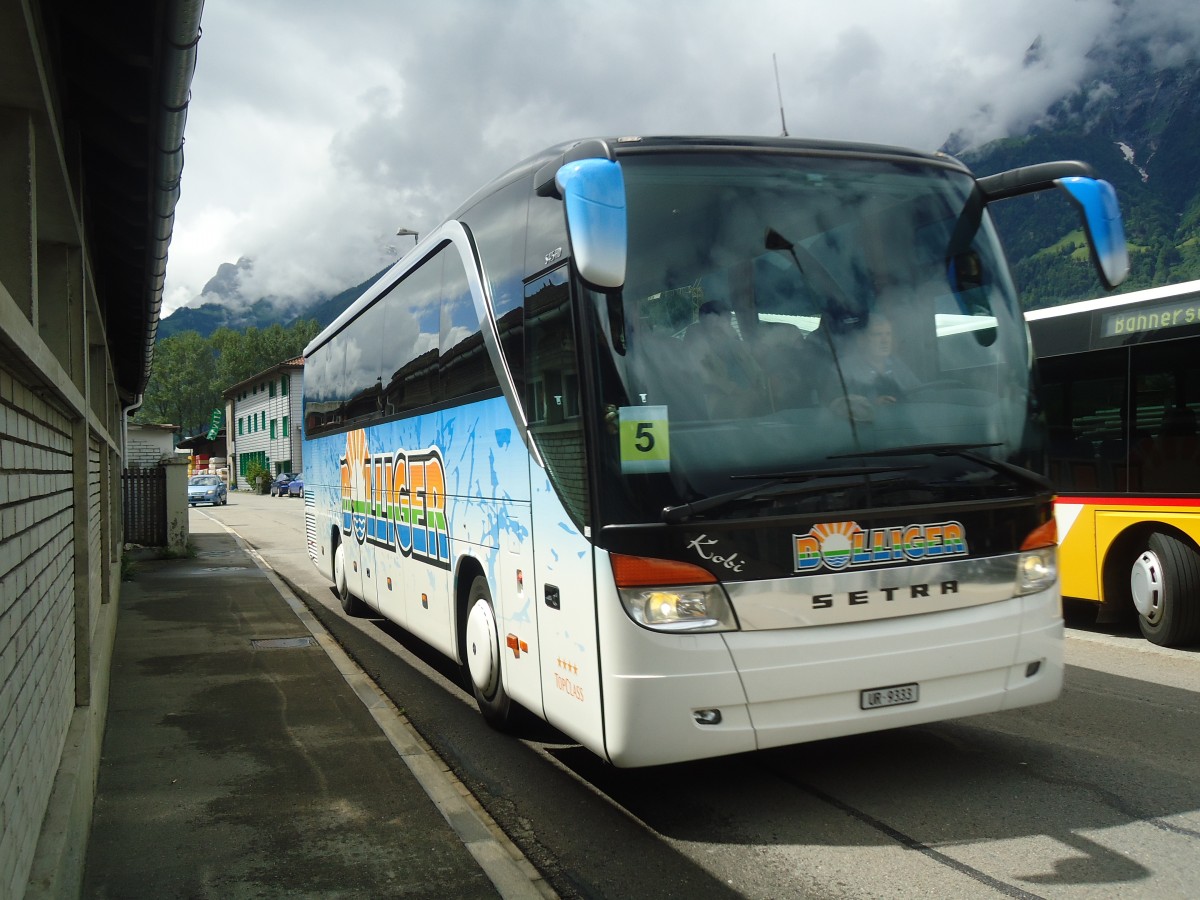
column 1138, row 127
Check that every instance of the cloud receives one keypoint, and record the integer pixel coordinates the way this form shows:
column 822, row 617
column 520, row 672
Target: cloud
column 315, row 133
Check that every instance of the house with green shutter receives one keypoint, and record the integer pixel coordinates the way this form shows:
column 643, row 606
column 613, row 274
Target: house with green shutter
column 262, row 422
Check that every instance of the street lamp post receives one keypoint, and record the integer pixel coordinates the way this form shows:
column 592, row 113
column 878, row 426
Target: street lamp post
column 408, row 231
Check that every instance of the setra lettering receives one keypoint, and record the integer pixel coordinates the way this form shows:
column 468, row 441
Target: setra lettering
column 886, row 594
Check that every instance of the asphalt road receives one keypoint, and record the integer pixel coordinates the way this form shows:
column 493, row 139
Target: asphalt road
column 1095, row 795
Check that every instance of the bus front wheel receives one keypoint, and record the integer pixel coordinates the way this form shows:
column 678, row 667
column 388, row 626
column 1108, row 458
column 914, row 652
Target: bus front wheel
column 482, row 660
column 350, row 604
column 1165, row 583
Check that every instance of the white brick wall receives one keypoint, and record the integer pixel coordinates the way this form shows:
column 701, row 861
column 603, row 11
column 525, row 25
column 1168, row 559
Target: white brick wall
column 146, row 446
column 37, row 615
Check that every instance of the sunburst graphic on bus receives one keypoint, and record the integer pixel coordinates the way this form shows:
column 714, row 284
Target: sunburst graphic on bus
column 830, row 543
column 396, row 500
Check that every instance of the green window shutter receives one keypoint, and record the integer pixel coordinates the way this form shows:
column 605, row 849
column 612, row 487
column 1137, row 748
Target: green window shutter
column 283, row 386
column 285, row 426
column 273, row 421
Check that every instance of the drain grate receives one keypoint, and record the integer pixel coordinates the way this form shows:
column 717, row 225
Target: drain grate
column 281, row 643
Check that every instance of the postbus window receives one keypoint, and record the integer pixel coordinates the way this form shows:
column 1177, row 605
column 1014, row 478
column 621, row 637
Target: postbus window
column 1165, row 444
column 1087, row 417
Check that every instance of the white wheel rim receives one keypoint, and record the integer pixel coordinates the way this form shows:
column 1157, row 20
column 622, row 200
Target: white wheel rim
column 1146, row 584
column 339, row 570
column 482, row 647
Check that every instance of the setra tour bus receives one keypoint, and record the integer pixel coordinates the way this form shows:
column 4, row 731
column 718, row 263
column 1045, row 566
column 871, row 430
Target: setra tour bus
column 1121, row 390
column 696, row 446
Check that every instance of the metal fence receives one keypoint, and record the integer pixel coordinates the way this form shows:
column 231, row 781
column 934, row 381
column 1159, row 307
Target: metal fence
column 144, row 494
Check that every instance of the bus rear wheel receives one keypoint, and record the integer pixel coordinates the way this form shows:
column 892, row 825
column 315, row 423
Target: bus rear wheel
column 350, row 604
column 481, row 656
column 1165, row 583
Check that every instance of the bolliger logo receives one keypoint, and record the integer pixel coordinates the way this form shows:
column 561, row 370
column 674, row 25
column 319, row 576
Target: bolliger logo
column 841, row 545
column 396, row 500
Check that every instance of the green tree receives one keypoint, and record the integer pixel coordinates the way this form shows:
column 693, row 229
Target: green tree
column 180, row 391
column 190, row 374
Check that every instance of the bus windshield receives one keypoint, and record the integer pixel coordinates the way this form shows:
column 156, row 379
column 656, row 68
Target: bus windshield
column 785, row 317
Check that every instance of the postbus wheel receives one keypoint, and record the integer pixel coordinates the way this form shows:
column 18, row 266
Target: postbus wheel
column 482, row 660
column 1165, row 583
column 350, row 604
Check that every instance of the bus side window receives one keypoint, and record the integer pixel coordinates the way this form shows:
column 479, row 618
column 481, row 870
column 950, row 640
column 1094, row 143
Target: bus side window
column 466, row 367
column 552, row 400
column 411, row 350
column 1167, row 387
column 498, row 224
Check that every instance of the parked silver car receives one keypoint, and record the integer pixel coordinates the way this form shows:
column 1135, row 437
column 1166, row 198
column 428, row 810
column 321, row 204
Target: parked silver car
column 207, row 489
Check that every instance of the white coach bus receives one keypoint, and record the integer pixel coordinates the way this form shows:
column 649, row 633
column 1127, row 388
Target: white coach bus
column 696, row 446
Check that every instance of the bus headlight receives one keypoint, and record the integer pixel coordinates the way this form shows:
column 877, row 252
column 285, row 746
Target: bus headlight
column 700, row 607
column 1037, row 570
column 669, row 595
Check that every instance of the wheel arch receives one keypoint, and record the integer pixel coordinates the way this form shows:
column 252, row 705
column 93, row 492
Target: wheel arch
column 1115, row 594
column 469, row 568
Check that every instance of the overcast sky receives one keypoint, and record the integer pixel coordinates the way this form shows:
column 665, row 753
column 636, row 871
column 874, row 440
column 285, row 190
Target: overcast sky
column 316, row 130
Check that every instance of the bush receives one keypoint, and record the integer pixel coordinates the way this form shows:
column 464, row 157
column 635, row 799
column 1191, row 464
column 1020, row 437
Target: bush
column 258, row 477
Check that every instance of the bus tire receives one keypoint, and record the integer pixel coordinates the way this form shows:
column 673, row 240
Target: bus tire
column 481, row 656
column 1165, row 583
column 351, row 605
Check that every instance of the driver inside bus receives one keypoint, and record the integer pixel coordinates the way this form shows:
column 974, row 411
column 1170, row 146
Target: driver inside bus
column 873, row 375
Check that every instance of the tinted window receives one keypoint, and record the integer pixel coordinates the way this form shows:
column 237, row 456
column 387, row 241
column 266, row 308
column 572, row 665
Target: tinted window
column 546, row 242
column 497, row 224
column 413, row 324
column 364, row 350
column 552, row 403
column 466, row 366
column 323, row 394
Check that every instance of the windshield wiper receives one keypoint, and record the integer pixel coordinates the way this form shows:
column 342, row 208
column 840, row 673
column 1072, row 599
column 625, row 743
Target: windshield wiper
column 963, row 451
column 674, row 514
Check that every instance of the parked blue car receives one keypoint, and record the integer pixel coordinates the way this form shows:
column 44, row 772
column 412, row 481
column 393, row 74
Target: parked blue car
column 279, row 487
column 295, row 487
column 207, row 489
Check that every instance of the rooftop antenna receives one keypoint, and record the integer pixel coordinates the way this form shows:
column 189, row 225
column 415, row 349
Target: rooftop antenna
column 778, row 91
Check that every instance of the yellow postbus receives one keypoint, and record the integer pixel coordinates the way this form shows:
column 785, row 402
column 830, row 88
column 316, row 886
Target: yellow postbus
column 1121, row 392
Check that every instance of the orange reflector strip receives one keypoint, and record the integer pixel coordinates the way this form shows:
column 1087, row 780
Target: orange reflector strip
column 642, row 571
column 1045, row 535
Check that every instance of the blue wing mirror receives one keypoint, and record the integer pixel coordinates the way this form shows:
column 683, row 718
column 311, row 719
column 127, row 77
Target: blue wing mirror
column 593, row 191
column 1097, row 204
column 1095, row 200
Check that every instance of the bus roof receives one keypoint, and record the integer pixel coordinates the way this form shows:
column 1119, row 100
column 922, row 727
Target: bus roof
column 1100, row 303
column 1162, row 313
column 631, row 144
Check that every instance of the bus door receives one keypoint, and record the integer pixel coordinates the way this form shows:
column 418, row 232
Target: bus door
column 564, row 587
column 516, row 605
